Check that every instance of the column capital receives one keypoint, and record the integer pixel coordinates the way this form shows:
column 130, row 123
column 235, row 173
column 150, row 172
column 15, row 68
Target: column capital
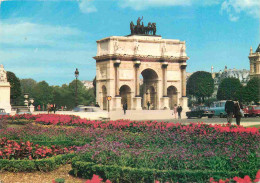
column 137, row 63
column 183, row 66
column 117, row 63
column 164, row 64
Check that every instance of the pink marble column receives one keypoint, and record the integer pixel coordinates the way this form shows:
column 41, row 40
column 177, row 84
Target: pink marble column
column 116, row 65
column 183, row 80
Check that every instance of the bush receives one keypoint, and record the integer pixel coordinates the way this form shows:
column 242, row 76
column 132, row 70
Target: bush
column 45, row 165
column 126, row 174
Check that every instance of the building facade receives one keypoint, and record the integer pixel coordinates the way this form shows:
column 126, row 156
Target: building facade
column 87, row 84
column 254, row 59
column 123, row 61
column 242, row 75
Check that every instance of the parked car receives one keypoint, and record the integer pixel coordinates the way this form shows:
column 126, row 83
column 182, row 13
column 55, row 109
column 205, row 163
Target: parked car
column 219, row 108
column 254, row 110
column 90, row 112
column 199, row 112
column 245, row 110
column 2, row 112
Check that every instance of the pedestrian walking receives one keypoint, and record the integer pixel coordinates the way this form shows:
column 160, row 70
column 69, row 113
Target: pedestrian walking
column 174, row 111
column 237, row 112
column 148, row 105
column 54, row 108
column 48, row 108
column 179, row 110
column 125, row 107
column 229, row 108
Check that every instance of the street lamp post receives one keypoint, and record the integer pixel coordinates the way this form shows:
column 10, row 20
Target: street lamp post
column 76, row 90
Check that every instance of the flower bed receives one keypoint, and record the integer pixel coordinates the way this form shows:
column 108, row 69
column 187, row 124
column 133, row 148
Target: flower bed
column 177, row 152
column 10, row 149
column 52, row 135
column 25, row 156
column 136, row 151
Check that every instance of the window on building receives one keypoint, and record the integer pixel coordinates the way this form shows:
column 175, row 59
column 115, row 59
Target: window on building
column 255, row 67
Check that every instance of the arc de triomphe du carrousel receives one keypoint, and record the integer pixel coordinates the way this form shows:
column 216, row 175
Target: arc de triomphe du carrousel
column 141, row 68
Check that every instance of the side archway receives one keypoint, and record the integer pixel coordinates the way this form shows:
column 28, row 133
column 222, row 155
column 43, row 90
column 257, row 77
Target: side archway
column 172, row 94
column 104, row 97
column 125, row 94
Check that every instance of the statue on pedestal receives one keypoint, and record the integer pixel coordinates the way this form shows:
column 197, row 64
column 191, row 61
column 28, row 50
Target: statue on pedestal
column 3, row 75
column 5, row 91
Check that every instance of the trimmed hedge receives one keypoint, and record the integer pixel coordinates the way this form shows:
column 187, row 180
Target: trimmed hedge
column 65, row 143
column 45, row 165
column 19, row 121
column 126, row 174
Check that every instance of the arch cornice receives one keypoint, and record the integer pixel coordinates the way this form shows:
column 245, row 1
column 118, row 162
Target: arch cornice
column 142, row 58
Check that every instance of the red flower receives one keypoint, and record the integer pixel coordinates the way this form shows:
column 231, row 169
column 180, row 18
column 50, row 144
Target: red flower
column 257, row 177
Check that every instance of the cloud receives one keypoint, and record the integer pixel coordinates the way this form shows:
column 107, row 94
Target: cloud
column 87, row 6
column 32, row 50
column 30, row 34
column 234, row 7
column 144, row 4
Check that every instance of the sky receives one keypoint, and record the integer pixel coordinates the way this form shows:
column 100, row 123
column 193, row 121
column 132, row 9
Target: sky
column 49, row 39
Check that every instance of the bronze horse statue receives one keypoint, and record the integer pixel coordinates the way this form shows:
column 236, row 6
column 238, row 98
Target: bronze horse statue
column 140, row 29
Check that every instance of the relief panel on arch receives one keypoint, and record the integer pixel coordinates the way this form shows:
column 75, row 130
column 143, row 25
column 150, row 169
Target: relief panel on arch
column 102, row 73
column 173, row 75
column 126, row 74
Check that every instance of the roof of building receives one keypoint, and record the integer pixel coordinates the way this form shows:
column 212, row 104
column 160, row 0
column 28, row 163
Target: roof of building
column 258, row 49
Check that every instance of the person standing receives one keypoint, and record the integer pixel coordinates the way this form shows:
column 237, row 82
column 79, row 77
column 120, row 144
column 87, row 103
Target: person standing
column 229, row 108
column 179, row 110
column 48, row 108
column 148, row 105
column 54, row 108
column 97, row 105
column 237, row 112
column 125, row 107
column 175, row 111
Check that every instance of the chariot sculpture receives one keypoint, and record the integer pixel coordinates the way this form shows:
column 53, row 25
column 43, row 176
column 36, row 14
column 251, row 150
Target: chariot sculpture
column 141, row 29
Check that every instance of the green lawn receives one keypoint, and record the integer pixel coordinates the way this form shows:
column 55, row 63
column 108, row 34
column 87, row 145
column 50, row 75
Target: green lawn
column 257, row 126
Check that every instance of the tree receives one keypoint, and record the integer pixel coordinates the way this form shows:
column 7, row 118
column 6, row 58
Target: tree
column 94, row 86
column 200, row 85
column 252, row 91
column 15, row 87
column 230, row 89
column 42, row 93
column 85, row 97
column 27, row 85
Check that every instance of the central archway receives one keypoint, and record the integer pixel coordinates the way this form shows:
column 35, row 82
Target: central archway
column 125, row 94
column 150, row 79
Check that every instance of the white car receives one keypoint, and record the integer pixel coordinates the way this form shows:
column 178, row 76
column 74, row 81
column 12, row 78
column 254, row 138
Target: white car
column 90, row 112
column 87, row 112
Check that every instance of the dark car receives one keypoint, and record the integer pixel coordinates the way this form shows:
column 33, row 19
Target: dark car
column 2, row 112
column 199, row 112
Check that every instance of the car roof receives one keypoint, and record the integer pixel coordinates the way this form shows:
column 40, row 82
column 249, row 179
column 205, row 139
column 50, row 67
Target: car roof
column 87, row 107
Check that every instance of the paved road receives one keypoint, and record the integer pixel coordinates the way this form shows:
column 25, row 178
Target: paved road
column 216, row 120
column 213, row 120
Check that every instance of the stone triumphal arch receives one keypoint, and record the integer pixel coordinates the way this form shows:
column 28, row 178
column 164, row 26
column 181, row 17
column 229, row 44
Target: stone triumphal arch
column 141, row 68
